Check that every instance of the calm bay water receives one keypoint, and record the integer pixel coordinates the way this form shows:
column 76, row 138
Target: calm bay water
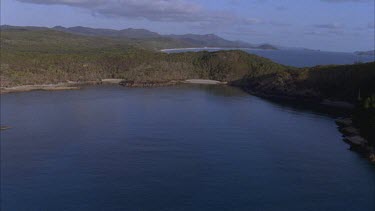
column 174, row 148
column 300, row 57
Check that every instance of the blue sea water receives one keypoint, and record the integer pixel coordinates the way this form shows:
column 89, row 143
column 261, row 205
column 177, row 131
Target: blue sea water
column 299, row 57
column 188, row 147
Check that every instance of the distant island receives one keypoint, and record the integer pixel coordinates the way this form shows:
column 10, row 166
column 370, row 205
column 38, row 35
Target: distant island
column 365, row 53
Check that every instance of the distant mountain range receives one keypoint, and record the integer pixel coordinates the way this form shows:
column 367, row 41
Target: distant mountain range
column 211, row 40
column 365, row 53
column 186, row 40
column 193, row 40
column 158, row 41
column 128, row 33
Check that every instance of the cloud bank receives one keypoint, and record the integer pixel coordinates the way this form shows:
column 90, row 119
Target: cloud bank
column 342, row 1
column 154, row 10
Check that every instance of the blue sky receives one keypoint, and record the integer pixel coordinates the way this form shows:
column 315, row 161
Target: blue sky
column 334, row 25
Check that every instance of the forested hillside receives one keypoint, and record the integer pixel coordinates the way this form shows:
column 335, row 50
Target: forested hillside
column 45, row 56
column 40, row 55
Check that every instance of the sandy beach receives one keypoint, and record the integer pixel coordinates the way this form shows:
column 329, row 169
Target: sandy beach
column 44, row 87
column 70, row 85
column 203, row 81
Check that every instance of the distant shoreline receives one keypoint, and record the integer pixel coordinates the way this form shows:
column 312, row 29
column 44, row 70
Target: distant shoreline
column 74, row 85
column 203, row 81
column 70, row 85
column 213, row 48
column 176, row 49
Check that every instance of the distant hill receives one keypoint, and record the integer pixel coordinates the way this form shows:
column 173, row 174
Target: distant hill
column 8, row 27
column 190, row 40
column 365, row 53
column 267, row 47
column 128, row 33
column 211, row 40
column 94, row 38
column 154, row 39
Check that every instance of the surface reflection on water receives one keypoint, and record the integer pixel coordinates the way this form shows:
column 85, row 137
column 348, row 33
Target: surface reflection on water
column 188, row 147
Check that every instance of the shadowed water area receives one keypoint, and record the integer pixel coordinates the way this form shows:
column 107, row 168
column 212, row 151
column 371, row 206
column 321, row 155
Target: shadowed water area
column 187, row 147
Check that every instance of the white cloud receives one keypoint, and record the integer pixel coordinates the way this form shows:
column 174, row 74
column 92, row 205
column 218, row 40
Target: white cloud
column 155, row 10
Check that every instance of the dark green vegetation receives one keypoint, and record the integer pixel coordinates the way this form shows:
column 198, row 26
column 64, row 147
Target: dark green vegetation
column 40, row 55
column 342, row 82
column 364, row 118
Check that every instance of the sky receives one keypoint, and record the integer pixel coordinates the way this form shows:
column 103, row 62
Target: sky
column 332, row 25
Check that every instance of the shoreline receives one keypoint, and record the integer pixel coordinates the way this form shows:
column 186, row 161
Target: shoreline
column 69, row 85
column 345, row 105
column 42, row 87
column 351, row 135
column 212, row 48
column 76, row 85
column 135, row 84
column 197, row 48
column 4, row 127
column 204, row 81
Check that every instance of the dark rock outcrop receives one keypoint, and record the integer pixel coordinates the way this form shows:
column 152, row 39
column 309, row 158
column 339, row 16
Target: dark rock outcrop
column 355, row 140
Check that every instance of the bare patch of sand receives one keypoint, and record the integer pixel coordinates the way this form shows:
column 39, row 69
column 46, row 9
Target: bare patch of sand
column 69, row 85
column 203, row 81
column 44, row 87
column 112, row 80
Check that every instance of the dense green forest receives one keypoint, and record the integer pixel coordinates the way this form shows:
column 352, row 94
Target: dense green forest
column 335, row 82
column 364, row 118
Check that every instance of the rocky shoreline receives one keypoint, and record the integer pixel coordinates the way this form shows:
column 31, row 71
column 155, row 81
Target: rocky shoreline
column 351, row 135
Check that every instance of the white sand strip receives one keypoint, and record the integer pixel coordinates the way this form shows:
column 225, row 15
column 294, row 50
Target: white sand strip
column 203, row 81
